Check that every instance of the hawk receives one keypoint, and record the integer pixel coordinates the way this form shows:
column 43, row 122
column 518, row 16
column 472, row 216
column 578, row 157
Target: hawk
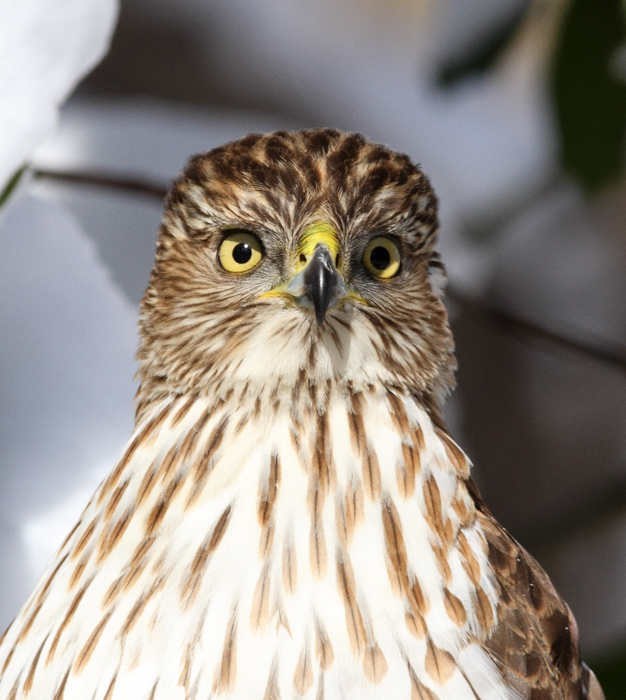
column 291, row 518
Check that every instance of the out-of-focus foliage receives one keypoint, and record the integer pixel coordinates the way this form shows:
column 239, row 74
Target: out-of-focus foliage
column 484, row 54
column 589, row 84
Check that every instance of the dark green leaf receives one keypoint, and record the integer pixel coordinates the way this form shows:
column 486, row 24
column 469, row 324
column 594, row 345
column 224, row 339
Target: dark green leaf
column 11, row 185
column 483, row 56
column 590, row 97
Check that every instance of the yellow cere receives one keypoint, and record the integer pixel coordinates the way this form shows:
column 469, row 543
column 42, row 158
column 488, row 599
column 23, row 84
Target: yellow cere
column 240, row 252
column 317, row 234
column 382, row 258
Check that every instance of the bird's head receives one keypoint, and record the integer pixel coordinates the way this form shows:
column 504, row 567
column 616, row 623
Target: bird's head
column 296, row 257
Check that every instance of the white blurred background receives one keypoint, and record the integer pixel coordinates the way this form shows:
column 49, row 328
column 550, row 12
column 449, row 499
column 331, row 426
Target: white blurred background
column 489, row 96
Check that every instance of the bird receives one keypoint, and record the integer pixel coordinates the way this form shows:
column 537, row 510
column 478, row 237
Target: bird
column 291, row 518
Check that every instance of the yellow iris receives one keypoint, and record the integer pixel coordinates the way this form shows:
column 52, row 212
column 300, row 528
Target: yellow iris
column 240, row 252
column 382, row 258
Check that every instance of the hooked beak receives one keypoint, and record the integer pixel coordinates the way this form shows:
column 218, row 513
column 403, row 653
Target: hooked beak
column 317, row 284
column 322, row 283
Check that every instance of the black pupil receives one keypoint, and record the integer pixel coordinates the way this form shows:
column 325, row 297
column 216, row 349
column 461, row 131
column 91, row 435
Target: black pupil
column 380, row 258
column 242, row 253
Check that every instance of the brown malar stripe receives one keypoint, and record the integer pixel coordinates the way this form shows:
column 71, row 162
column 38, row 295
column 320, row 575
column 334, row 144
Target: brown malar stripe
column 440, row 665
column 303, row 675
column 226, row 674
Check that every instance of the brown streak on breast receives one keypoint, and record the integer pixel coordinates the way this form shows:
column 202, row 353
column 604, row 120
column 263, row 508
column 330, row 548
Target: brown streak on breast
column 183, row 411
column 61, row 689
column 226, row 674
column 204, row 465
column 323, row 647
column 432, row 501
column 455, row 455
column 86, row 536
column 141, row 437
column 78, row 571
column 290, row 568
column 440, row 665
column 374, row 664
column 407, row 470
column 468, row 559
column 133, row 616
column 259, row 613
column 317, row 541
column 483, row 610
column 269, row 492
column 396, row 549
column 160, row 509
column 347, row 588
column 303, row 675
column 28, row 683
column 200, row 561
column 115, row 499
column 112, row 535
column 66, row 621
column 90, row 645
column 111, row 688
column 415, row 623
column 46, row 588
column 137, row 563
column 418, row 690
column 454, row 608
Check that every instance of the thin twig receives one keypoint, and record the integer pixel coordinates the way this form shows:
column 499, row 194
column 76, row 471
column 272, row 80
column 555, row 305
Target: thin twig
column 604, row 351
column 134, row 183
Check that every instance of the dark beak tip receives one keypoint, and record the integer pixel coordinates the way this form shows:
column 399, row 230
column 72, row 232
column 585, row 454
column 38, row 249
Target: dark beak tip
column 320, row 282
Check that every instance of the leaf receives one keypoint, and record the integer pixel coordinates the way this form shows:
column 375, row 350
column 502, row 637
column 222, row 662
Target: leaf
column 11, row 185
column 590, row 96
column 482, row 57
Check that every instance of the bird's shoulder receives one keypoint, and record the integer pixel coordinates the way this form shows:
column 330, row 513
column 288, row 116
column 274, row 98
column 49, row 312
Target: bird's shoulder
column 535, row 642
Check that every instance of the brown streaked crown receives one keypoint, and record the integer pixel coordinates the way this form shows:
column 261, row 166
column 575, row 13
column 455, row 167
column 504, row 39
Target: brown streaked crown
column 203, row 329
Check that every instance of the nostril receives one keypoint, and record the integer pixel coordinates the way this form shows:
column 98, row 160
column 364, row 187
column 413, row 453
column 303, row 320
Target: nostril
column 302, row 258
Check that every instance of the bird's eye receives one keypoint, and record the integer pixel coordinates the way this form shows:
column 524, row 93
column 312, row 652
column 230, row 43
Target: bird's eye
column 382, row 258
column 240, row 252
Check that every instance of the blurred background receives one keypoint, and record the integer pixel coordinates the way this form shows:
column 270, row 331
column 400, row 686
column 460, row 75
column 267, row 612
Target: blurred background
column 516, row 109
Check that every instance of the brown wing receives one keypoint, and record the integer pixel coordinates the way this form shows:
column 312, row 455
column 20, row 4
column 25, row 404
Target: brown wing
column 536, row 640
